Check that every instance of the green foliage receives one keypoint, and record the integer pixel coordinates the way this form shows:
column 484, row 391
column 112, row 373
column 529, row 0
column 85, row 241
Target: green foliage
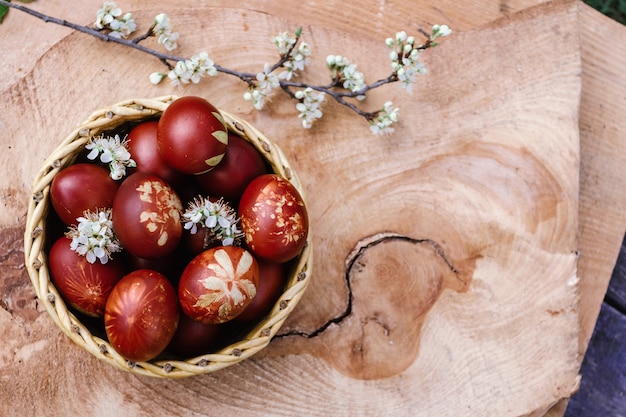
column 3, row 11
column 615, row 9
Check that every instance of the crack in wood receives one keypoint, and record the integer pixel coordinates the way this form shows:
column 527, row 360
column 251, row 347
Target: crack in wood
column 353, row 263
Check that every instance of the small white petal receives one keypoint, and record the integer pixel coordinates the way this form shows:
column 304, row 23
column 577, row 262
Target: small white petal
column 93, row 154
column 91, row 258
column 106, row 156
column 211, row 222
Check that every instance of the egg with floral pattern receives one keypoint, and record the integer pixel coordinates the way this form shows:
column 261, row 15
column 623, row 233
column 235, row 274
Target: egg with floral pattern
column 274, row 218
column 218, row 284
column 147, row 215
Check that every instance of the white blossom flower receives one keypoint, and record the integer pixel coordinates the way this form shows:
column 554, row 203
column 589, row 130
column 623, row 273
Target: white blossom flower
column 284, row 42
column 180, row 74
column 190, row 70
column 260, row 92
column 267, row 80
column 169, row 41
column 257, row 97
column 112, row 151
column 342, row 70
column 110, row 17
column 93, row 236
column 161, row 24
column 289, row 71
column 123, row 27
column 199, row 66
column 309, row 106
column 407, row 74
column 108, row 13
column 335, row 64
column 300, row 55
column 219, row 218
column 405, row 61
column 439, row 31
column 161, row 27
column 382, row 123
column 353, row 80
column 297, row 60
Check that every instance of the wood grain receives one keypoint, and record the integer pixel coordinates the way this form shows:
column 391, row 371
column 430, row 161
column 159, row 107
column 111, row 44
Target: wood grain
column 616, row 294
column 602, row 173
column 489, row 114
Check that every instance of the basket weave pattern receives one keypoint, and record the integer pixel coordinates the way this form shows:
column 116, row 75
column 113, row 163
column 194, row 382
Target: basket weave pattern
column 108, row 119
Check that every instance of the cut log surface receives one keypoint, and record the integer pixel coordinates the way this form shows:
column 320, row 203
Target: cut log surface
column 445, row 255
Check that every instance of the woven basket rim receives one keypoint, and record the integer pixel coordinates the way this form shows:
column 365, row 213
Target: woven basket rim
column 107, row 119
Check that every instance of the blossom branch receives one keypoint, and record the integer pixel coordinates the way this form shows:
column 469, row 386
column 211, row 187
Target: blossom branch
column 341, row 95
column 347, row 83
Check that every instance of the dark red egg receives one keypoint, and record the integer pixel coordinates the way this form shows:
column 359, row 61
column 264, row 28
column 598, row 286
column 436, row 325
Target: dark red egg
column 147, row 216
column 79, row 188
column 141, row 315
column 191, row 135
column 272, row 277
column 241, row 164
column 170, row 265
column 84, row 286
column 274, row 218
column 200, row 241
column 218, row 284
column 193, row 338
column 142, row 145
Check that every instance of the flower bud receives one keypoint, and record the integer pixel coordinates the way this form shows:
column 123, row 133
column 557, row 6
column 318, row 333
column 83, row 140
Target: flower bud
column 156, row 77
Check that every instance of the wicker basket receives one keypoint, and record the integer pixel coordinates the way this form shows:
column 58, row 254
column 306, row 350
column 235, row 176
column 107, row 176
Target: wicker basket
column 36, row 261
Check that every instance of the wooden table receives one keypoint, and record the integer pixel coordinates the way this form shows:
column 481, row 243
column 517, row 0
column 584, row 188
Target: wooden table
column 535, row 86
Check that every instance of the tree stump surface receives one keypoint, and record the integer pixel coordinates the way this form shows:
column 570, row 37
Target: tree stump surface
column 446, row 269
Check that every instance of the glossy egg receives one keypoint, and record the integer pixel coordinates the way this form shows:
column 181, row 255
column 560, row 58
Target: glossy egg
column 147, row 215
column 218, row 284
column 191, row 135
column 241, row 164
column 142, row 145
column 84, row 286
column 193, row 338
column 274, row 218
column 141, row 315
column 272, row 277
column 81, row 187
